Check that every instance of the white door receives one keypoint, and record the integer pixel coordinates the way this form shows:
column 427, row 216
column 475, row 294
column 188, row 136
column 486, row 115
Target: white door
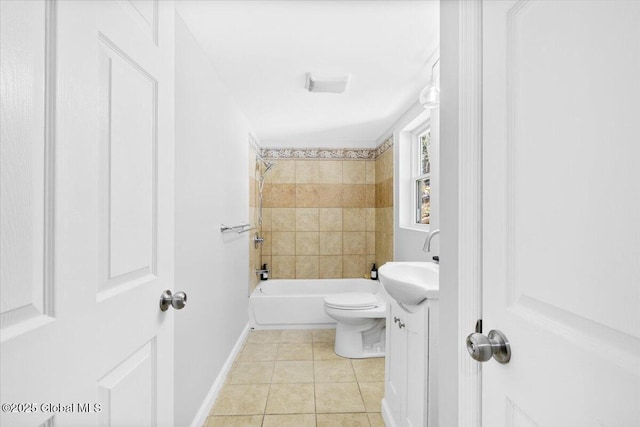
column 561, row 212
column 87, row 212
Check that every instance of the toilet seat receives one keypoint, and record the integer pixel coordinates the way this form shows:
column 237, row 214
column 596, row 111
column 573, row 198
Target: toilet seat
column 352, row 301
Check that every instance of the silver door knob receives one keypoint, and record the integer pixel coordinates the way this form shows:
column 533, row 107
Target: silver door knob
column 177, row 301
column 482, row 348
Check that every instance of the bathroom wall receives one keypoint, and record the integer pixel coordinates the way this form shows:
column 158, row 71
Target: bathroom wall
column 211, row 188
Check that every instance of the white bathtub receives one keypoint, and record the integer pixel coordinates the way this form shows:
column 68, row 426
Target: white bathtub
column 299, row 303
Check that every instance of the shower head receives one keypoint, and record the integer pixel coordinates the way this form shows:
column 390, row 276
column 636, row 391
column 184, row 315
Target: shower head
column 267, row 165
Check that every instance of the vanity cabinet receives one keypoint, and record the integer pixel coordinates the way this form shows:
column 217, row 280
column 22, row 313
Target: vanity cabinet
column 410, row 395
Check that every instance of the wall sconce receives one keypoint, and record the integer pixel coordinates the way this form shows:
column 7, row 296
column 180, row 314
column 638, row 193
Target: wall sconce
column 430, row 95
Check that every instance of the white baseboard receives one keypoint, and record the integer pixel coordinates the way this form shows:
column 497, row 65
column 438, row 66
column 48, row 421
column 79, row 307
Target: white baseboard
column 386, row 415
column 210, row 399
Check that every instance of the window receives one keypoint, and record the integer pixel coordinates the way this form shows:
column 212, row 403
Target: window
column 422, row 176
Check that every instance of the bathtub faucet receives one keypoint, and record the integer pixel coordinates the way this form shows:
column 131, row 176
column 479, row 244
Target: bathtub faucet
column 263, row 272
column 427, row 241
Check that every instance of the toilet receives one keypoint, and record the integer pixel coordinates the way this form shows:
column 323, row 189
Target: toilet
column 360, row 317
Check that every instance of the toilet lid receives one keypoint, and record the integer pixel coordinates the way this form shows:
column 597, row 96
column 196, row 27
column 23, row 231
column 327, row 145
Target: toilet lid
column 352, row 300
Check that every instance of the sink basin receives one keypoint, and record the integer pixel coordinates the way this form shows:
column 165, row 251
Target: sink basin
column 410, row 282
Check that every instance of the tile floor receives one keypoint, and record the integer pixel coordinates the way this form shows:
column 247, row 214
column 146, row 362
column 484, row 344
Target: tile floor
column 293, row 378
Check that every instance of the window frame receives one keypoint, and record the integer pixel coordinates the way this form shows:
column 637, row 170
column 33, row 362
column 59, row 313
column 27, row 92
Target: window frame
column 416, row 176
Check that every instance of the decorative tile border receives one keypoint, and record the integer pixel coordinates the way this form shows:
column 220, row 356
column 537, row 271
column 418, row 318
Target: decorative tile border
column 327, row 153
column 317, row 153
column 382, row 148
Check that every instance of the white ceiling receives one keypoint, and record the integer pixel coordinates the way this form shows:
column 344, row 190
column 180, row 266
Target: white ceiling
column 262, row 51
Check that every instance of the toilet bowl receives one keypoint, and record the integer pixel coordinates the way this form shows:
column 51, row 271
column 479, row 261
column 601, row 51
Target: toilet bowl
column 360, row 318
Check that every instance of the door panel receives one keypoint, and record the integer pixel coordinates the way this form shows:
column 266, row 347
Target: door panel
column 128, row 393
column 561, row 199
column 128, row 143
column 26, row 165
column 98, row 231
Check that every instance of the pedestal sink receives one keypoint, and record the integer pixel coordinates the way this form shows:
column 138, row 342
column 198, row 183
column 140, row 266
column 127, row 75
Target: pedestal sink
column 410, row 283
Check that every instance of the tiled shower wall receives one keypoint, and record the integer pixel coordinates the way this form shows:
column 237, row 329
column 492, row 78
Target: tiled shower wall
column 319, row 219
column 254, row 253
column 384, row 208
column 325, row 218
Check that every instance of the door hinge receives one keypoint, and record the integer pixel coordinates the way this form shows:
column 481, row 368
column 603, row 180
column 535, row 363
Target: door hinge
column 479, row 326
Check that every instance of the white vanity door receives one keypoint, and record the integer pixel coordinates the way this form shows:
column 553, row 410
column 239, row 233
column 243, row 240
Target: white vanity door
column 561, row 212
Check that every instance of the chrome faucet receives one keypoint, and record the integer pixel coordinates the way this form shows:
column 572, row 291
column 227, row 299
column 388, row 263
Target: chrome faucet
column 427, row 241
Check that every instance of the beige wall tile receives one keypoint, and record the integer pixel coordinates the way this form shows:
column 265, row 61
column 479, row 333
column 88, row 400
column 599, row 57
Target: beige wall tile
column 307, row 243
column 387, row 193
column 370, row 195
column 384, row 166
column 370, row 220
column 283, row 173
column 291, row 399
column 384, row 194
column 319, row 195
column 283, row 243
column 387, row 172
column 283, row 219
column 384, row 220
column 330, row 242
column 354, row 219
column 330, row 219
column 354, row 196
column 354, row 243
column 371, row 242
column 330, row 171
column 307, row 219
column 264, row 260
column 266, row 219
column 307, row 267
column 279, row 195
column 252, row 192
column 266, row 245
column 330, row 267
column 241, row 399
column 354, row 266
column 370, row 166
column 283, row 267
column 370, row 260
column 338, row 397
column 354, row 172
column 307, row 172
column 266, row 196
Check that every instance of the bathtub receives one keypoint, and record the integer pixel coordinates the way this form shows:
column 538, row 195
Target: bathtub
column 299, row 303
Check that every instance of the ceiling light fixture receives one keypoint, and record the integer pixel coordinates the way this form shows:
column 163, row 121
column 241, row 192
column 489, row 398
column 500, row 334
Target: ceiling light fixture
column 430, row 95
column 327, row 84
